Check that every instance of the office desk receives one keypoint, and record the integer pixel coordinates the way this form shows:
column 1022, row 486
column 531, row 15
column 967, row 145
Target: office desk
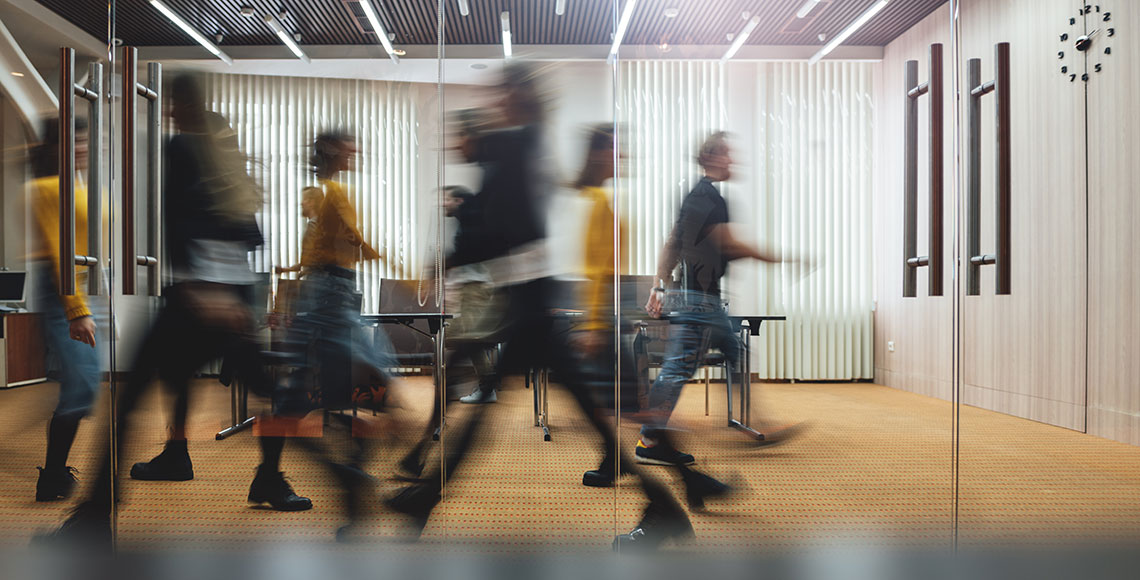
column 747, row 327
column 21, row 349
column 437, row 323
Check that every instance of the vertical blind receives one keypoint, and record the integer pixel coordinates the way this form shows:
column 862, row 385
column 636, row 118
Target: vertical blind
column 809, row 182
column 277, row 119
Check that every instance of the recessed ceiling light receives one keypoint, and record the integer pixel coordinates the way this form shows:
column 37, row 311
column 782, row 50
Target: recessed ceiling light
column 478, row 66
column 399, row 52
column 247, row 11
column 671, row 12
column 17, row 74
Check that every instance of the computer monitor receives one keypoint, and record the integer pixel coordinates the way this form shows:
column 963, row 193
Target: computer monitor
column 12, row 286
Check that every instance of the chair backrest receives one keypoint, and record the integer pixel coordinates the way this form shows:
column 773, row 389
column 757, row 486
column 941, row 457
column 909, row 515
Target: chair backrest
column 398, row 296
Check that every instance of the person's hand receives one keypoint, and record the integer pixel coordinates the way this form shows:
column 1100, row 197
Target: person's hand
column 656, row 303
column 83, row 330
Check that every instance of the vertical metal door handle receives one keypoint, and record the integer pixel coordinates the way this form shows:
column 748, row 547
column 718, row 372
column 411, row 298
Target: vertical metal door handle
column 912, row 261
column 1002, row 170
column 131, row 91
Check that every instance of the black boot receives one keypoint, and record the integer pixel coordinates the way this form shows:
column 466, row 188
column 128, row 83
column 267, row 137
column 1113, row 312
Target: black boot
column 603, row 476
column 86, row 528
column 416, row 501
column 270, row 487
column 173, row 464
column 699, row 487
column 55, row 484
column 662, row 520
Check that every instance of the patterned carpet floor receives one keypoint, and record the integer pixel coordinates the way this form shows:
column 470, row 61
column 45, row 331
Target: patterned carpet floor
column 874, row 467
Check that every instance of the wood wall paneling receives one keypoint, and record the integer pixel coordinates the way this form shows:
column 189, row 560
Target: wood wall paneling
column 1023, row 354
column 921, row 327
column 1114, row 227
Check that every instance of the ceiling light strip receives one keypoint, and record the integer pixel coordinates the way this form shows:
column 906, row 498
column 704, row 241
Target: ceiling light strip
column 623, row 25
column 177, row 20
column 285, row 38
column 806, row 8
column 741, row 38
column 505, row 19
column 381, row 34
column 847, row 32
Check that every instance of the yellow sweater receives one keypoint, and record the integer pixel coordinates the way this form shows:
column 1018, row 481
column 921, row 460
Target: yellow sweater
column 44, row 194
column 600, row 259
column 336, row 241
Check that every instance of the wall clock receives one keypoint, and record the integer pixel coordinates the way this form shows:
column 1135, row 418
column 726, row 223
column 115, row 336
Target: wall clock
column 1086, row 43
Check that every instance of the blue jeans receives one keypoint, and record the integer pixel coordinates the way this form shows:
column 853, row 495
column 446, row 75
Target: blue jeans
column 700, row 324
column 77, row 366
column 325, row 329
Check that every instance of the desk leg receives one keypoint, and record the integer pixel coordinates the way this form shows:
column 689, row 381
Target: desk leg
column 440, row 377
column 745, row 390
column 545, row 405
column 747, row 363
column 534, row 392
column 239, row 411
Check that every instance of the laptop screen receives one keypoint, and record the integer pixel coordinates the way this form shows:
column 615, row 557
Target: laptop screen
column 12, row 286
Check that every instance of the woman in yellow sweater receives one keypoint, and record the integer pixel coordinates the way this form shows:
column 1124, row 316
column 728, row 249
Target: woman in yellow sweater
column 70, row 327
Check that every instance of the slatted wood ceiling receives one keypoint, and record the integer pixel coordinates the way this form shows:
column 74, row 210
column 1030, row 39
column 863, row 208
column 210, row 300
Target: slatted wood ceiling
column 585, row 22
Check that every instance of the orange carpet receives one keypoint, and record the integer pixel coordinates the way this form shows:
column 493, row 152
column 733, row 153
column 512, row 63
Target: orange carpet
column 875, row 467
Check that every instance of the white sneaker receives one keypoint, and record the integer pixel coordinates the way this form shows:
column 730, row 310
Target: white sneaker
column 478, row 397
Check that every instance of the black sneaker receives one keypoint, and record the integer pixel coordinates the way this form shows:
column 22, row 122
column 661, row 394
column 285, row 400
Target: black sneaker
column 173, row 464
column 661, row 454
column 270, row 487
column 659, row 523
column 54, row 485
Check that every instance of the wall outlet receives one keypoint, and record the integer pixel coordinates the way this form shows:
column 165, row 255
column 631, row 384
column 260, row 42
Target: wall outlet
column 891, row 346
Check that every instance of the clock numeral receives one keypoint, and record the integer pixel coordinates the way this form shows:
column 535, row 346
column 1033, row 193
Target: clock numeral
column 1064, row 37
column 1085, row 77
column 1112, row 32
column 1060, row 54
column 1072, row 21
column 1064, row 70
column 1072, row 77
column 1098, row 67
column 1108, row 50
column 1098, row 7
column 1107, row 16
column 1088, row 8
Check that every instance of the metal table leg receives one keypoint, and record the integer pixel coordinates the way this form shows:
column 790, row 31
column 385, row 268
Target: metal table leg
column 745, row 388
column 239, row 407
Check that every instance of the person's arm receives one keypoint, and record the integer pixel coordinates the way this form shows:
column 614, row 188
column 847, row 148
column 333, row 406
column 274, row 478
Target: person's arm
column 734, row 248
column 45, row 207
column 670, row 255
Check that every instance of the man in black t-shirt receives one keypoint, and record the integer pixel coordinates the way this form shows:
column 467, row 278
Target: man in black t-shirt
column 702, row 243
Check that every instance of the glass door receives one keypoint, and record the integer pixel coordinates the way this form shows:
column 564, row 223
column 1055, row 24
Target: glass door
column 57, row 313
column 1044, row 442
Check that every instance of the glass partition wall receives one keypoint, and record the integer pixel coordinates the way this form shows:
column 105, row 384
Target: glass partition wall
column 732, row 277
column 1046, row 452
column 824, row 440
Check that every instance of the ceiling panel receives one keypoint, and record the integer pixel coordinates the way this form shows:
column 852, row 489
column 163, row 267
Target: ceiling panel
column 414, row 22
